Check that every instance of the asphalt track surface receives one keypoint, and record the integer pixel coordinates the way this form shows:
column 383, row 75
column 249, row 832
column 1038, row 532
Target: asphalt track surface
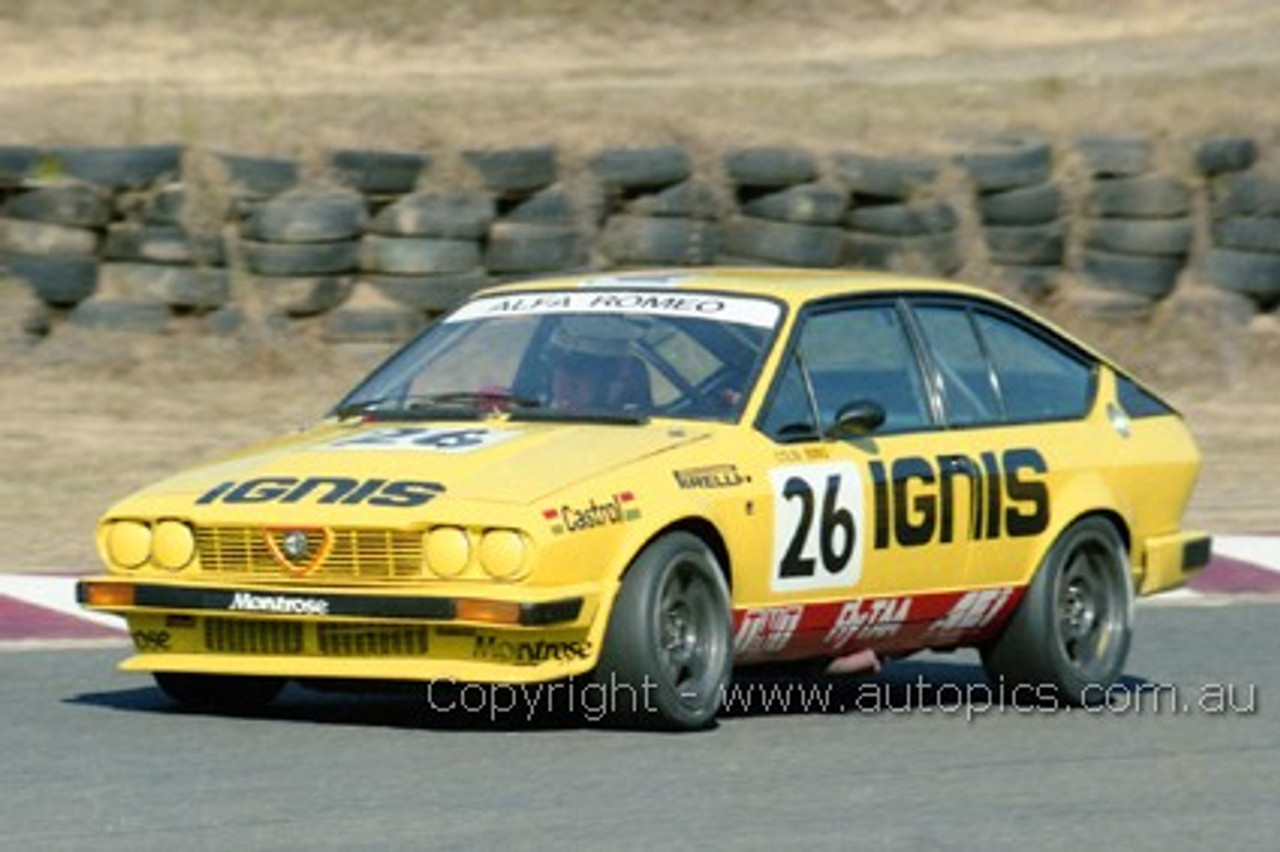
column 919, row 757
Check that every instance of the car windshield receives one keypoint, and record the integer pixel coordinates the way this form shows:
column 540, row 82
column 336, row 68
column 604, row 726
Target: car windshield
column 610, row 355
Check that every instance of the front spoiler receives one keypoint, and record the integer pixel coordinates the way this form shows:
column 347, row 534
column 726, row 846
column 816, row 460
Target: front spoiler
column 158, row 597
column 353, row 633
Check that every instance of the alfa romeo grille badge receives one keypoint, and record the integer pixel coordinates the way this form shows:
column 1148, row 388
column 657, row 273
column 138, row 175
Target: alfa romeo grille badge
column 298, row 550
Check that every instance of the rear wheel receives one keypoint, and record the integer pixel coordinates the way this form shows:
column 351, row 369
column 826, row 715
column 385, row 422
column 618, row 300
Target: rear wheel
column 1072, row 630
column 231, row 693
column 667, row 652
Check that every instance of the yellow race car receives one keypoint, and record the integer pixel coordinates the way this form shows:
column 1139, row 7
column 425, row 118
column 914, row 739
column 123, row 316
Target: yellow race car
column 636, row 482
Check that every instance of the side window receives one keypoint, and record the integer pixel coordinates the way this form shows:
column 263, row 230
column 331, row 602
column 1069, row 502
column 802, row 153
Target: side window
column 789, row 415
column 859, row 353
column 1137, row 401
column 967, row 390
column 1039, row 380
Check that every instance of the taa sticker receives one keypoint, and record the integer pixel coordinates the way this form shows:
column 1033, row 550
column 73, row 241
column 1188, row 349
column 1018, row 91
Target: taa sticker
column 766, row 631
column 975, row 610
column 817, row 527
column 878, row 618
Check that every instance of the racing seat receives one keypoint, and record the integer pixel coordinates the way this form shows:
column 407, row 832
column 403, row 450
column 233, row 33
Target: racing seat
column 630, row 389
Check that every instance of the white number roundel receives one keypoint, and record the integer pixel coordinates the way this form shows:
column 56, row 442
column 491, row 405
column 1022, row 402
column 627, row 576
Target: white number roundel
column 817, row 527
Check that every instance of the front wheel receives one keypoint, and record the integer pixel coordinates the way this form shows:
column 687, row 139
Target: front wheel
column 667, row 652
column 227, row 693
column 1071, row 632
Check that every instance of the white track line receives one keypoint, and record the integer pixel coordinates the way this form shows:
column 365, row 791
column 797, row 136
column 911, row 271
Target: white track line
column 1260, row 550
column 55, row 592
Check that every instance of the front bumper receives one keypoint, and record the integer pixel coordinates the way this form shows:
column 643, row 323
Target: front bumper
column 352, row 633
column 1170, row 560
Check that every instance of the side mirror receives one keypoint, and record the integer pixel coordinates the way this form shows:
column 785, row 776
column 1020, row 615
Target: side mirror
column 857, row 418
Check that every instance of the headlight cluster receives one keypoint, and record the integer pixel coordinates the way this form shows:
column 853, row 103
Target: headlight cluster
column 452, row 552
column 167, row 544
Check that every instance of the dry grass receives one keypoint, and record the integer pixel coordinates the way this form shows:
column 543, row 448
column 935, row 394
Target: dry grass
column 282, row 77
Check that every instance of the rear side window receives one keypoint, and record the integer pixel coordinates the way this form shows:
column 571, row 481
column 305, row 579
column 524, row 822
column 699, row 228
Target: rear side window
column 964, row 375
column 1039, row 380
column 1137, row 401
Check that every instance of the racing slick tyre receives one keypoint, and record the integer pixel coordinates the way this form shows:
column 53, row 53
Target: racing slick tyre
column 1072, row 630
column 668, row 650
column 230, row 693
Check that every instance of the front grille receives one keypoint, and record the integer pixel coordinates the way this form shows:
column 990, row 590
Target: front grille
column 371, row 640
column 356, row 554
column 280, row 638
column 237, row 636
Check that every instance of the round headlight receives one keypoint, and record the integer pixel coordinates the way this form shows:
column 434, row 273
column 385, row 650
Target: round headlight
column 502, row 554
column 448, row 550
column 129, row 543
column 173, row 545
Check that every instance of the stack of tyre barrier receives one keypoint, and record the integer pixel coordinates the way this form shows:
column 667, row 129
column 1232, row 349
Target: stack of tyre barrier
column 1244, row 255
column 154, row 267
column 656, row 213
column 139, row 238
column 302, row 249
column 786, row 216
column 1137, row 228
column 896, row 218
column 252, row 180
column 50, row 235
column 536, row 229
column 31, row 311
column 60, row 231
column 380, row 176
column 1020, row 210
column 422, row 254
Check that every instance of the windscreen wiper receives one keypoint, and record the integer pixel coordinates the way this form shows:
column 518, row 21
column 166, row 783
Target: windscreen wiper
column 449, row 405
column 552, row 415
